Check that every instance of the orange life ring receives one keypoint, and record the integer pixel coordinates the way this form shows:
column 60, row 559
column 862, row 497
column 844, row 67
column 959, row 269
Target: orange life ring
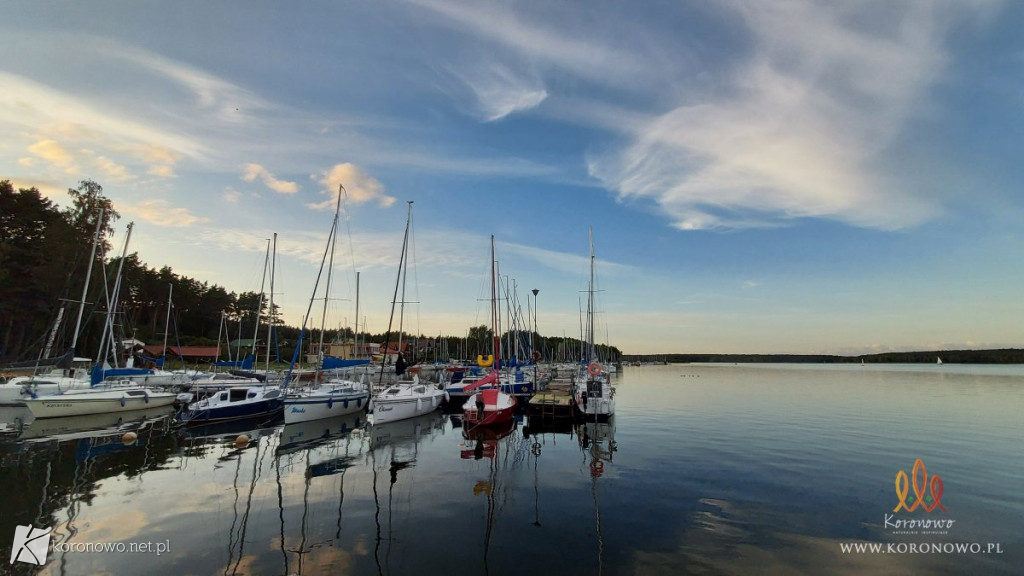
column 537, row 356
column 596, row 468
column 482, row 362
column 593, row 368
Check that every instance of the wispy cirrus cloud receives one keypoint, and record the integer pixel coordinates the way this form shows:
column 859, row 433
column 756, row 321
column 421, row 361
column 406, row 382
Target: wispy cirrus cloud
column 162, row 213
column 803, row 125
column 230, row 102
column 500, row 92
column 65, row 131
column 253, row 172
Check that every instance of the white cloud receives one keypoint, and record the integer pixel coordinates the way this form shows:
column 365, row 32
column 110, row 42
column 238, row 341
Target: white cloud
column 113, row 170
column 804, row 127
column 359, row 187
column 54, row 154
column 161, row 213
column 256, row 172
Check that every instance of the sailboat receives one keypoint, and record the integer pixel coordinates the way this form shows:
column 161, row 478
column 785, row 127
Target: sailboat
column 593, row 394
column 241, row 401
column 335, row 397
column 405, row 398
column 67, row 372
column 493, row 406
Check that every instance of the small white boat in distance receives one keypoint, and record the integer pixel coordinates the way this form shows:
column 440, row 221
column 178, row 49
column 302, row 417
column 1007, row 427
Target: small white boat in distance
column 105, row 400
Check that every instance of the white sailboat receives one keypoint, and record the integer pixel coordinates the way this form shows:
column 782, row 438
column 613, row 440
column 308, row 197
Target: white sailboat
column 335, row 397
column 98, row 400
column 593, row 392
column 70, row 372
column 405, row 398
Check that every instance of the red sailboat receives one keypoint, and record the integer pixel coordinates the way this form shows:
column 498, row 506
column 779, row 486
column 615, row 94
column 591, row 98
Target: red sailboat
column 490, row 406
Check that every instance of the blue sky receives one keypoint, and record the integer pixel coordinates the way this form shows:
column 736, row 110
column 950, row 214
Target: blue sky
column 763, row 177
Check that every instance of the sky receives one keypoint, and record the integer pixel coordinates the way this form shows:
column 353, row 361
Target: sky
column 760, row 177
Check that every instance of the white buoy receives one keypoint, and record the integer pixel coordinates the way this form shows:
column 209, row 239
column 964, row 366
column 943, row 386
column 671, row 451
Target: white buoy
column 129, row 438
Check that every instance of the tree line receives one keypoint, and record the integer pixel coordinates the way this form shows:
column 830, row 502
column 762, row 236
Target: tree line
column 46, row 251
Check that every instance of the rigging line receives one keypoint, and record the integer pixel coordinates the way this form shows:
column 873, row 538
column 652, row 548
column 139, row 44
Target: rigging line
column 415, row 278
column 348, row 229
column 394, row 299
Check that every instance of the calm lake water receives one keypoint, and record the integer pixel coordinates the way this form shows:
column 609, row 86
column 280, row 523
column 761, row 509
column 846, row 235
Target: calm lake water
column 705, row 469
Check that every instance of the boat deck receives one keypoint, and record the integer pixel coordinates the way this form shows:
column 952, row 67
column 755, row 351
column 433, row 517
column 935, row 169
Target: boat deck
column 554, row 402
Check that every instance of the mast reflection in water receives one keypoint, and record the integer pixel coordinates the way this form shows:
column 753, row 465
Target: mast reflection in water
column 697, row 463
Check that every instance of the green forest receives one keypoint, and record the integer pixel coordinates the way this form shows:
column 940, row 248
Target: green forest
column 44, row 261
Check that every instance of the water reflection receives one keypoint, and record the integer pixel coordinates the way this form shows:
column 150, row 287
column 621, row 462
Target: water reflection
column 394, row 447
column 323, row 448
column 737, row 471
column 485, row 442
column 52, row 473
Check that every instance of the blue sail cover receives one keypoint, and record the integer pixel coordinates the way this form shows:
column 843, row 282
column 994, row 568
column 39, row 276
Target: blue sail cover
column 98, row 374
column 331, row 363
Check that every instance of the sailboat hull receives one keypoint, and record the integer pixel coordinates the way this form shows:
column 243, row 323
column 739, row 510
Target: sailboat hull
column 309, row 407
column 104, row 402
column 392, row 407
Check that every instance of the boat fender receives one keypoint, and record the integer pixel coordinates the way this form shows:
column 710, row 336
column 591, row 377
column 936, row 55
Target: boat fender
column 146, row 397
column 593, row 368
column 122, row 402
column 330, row 403
column 537, row 356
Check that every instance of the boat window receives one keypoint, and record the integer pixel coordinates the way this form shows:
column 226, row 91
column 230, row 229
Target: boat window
column 223, row 395
column 135, row 393
column 392, row 391
column 239, row 394
column 272, row 394
column 251, row 395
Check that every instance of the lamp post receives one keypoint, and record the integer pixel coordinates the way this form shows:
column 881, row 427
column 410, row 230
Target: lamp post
column 535, row 291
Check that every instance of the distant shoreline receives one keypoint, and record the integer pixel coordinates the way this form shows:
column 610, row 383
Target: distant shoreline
column 995, row 356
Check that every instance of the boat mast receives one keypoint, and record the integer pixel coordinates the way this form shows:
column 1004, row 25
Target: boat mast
column 108, row 333
column 590, row 304
column 332, row 241
column 167, row 325
column 355, row 330
column 394, row 298
column 270, row 309
column 88, row 275
column 259, row 304
column 494, row 312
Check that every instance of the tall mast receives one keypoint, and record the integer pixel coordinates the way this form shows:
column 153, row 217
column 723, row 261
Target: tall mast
column 394, row 298
column 88, row 275
column 259, row 303
column 355, row 330
column 270, row 308
column 494, row 311
column 590, row 303
column 404, row 273
column 167, row 325
column 332, row 241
